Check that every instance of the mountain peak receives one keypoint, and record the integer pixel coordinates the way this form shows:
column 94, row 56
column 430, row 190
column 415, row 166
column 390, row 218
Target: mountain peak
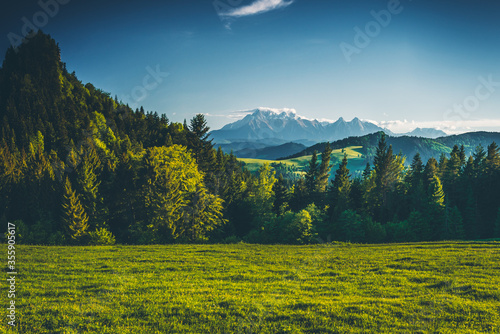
column 283, row 112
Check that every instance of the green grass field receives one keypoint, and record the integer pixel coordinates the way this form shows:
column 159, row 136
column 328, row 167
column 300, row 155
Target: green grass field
column 336, row 288
column 354, row 156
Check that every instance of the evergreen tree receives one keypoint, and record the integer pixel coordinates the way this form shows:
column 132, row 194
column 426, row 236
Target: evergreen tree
column 89, row 182
column 451, row 174
column 324, row 169
column 281, row 195
column 340, row 189
column 388, row 173
column 74, row 216
column 312, row 174
column 454, row 225
column 435, row 209
column 299, row 196
column 367, row 171
column 415, row 182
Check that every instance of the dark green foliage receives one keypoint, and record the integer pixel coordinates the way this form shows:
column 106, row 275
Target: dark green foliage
column 340, row 190
column 496, row 233
column 92, row 170
column 454, row 226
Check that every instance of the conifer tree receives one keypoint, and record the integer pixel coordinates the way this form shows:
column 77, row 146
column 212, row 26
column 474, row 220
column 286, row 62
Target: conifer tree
column 74, row 216
column 367, row 171
column 324, row 169
column 454, row 225
column 436, row 208
column 341, row 189
column 89, row 182
column 312, row 174
column 281, row 195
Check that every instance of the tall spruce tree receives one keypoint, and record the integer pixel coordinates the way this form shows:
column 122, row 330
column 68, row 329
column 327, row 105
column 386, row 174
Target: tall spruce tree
column 340, row 189
column 74, row 216
column 324, row 169
column 312, row 174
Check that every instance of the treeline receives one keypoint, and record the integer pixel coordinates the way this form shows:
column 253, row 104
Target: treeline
column 79, row 167
column 455, row 198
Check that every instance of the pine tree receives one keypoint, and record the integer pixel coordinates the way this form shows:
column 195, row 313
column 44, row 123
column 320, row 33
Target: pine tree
column 281, row 196
column 88, row 180
column 367, row 171
column 454, row 225
column 324, row 169
column 340, row 190
column 451, row 174
column 436, row 193
column 388, row 173
column 299, row 196
column 74, row 216
column 312, row 174
column 415, row 183
column 435, row 208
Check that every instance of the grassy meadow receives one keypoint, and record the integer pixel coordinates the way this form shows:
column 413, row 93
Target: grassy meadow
column 354, row 155
column 335, row 288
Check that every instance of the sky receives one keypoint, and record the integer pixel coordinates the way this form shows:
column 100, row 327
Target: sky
column 401, row 64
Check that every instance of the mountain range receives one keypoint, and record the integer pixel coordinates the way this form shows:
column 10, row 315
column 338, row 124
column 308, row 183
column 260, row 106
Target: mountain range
column 267, row 133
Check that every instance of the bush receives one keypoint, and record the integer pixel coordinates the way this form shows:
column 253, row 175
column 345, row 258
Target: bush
column 43, row 232
column 101, row 237
column 374, row 231
column 298, row 228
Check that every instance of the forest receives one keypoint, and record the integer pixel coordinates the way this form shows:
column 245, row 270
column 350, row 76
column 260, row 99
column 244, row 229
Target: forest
column 79, row 167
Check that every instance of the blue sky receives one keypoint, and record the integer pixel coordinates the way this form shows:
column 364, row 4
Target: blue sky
column 422, row 63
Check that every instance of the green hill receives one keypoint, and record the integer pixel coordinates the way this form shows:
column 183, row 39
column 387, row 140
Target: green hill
column 354, row 154
column 409, row 146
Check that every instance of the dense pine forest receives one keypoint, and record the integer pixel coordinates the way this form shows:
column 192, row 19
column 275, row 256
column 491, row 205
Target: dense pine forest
column 78, row 166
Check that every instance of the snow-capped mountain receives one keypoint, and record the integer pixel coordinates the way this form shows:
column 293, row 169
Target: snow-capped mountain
column 285, row 124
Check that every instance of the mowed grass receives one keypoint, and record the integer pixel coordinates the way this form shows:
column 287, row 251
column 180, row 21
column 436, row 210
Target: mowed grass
column 335, row 288
column 354, row 156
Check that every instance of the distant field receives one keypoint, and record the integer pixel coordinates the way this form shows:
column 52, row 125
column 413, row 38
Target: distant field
column 338, row 288
column 354, row 156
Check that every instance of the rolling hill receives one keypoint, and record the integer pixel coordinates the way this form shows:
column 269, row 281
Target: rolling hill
column 409, row 146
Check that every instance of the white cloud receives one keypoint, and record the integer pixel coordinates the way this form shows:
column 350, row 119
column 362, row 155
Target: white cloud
column 257, row 7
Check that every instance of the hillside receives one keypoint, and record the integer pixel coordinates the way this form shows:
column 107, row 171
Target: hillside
column 270, row 153
column 409, row 146
column 91, row 170
column 357, row 161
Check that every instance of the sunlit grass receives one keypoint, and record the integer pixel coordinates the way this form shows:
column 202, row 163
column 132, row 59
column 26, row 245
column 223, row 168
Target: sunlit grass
column 339, row 288
column 354, row 156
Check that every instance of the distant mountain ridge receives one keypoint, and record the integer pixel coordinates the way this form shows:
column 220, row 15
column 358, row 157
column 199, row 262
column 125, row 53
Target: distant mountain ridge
column 409, row 146
column 285, row 124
